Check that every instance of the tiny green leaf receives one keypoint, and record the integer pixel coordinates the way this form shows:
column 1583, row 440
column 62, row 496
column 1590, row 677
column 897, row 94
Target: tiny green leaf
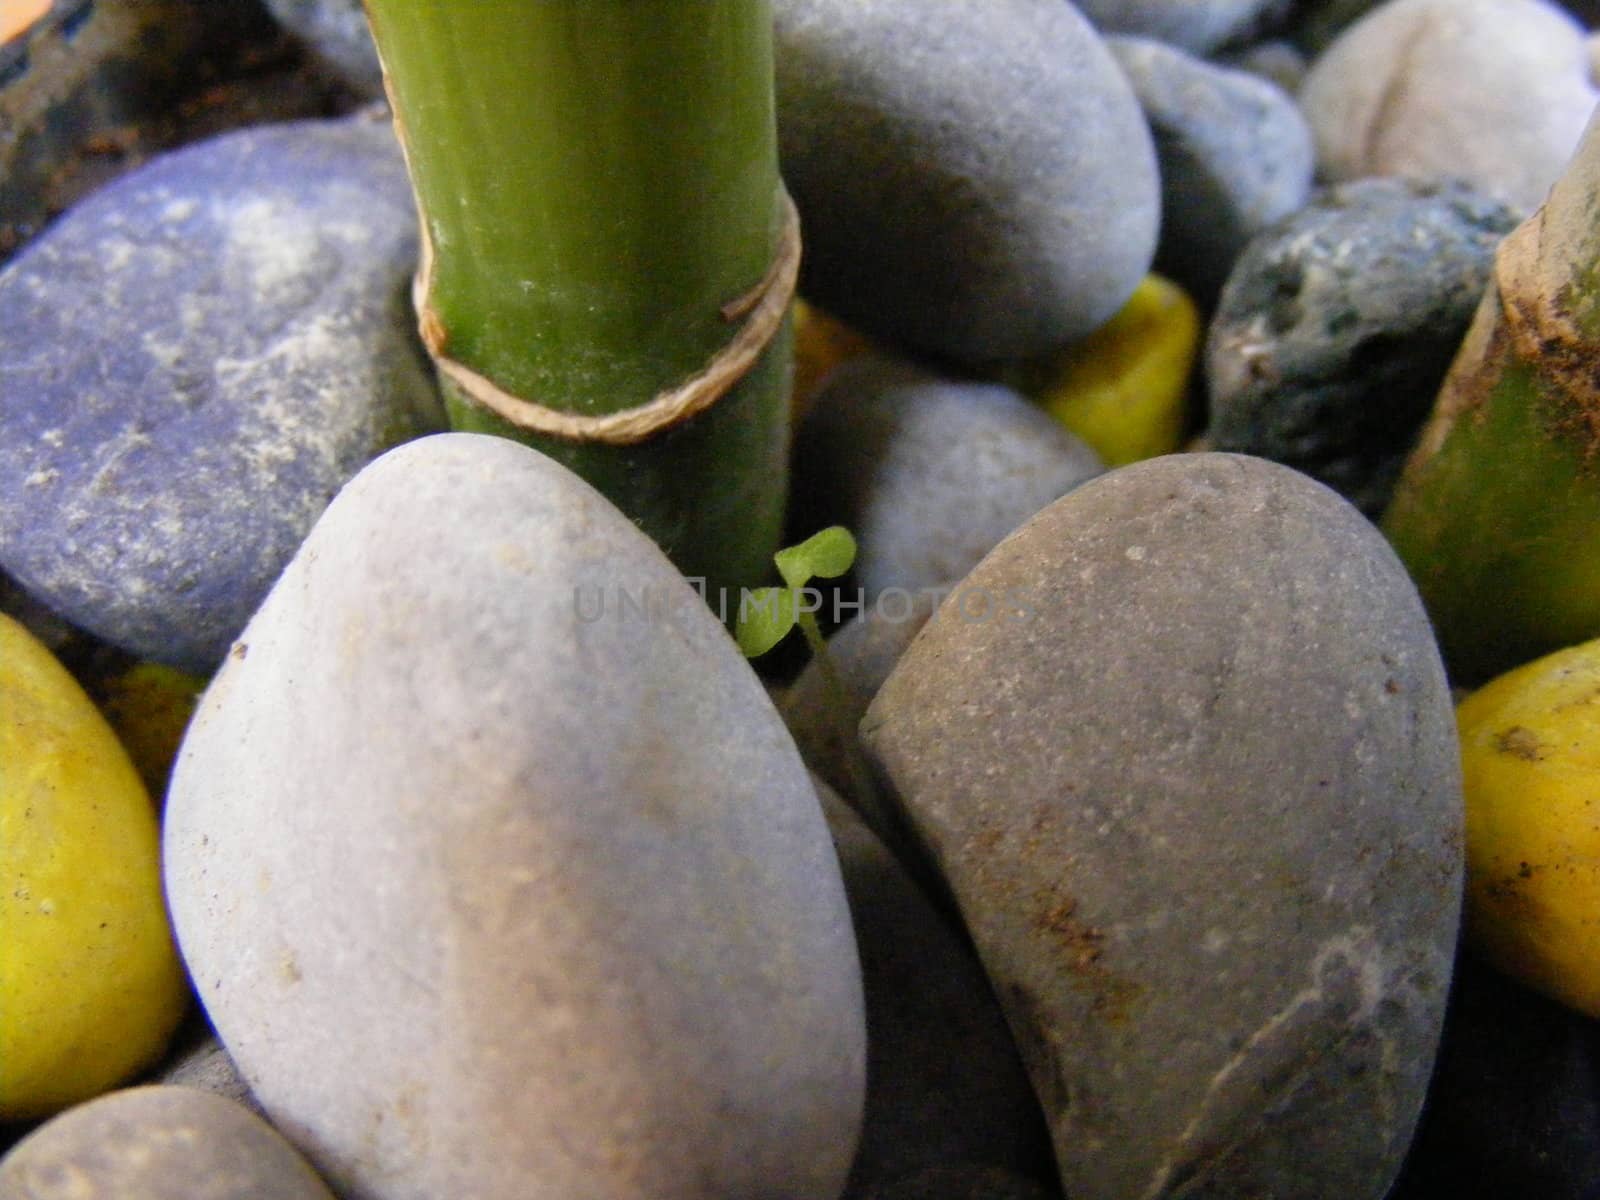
column 826, row 554
column 766, row 616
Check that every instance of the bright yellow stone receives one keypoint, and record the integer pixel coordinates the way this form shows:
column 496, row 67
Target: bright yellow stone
column 90, row 984
column 1530, row 755
column 1124, row 389
column 821, row 343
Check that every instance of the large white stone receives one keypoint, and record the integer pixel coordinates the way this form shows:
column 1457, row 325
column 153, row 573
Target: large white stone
column 498, row 873
column 1495, row 92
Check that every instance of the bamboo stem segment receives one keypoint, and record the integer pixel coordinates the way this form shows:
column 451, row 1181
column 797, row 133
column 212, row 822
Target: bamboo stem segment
column 1497, row 514
column 596, row 181
column 762, row 310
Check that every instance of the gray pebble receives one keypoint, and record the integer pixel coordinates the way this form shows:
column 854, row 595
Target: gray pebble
column 1197, row 795
column 1493, row 92
column 157, row 1143
column 195, row 359
column 494, row 885
column 928, row 473
column 1337, row 327
column 1195, row 25
column 862, row 652
column 337, row 31
column 1235, row 156
column 975, row 185
column 203, row 1062
column 944, row 1081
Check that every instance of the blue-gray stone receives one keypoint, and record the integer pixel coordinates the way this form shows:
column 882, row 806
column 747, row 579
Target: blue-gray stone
column 1235, row 154
column 1337, row 326
column 195, row 359
column 975, row 184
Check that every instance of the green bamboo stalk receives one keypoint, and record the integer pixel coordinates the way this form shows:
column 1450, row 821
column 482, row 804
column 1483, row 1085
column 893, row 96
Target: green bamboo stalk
column 1497, row 514
column 597, row 179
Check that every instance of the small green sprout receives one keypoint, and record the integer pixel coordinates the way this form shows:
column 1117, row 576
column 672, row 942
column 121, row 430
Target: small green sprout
column 767, row 614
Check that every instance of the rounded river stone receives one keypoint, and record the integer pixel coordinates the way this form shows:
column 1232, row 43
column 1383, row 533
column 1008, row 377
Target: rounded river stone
column 195, row 359
column 927, row 472
column 976, row 183
column 157, row 1143
column 861, row 653
column 1196, row 792
column 1235, row 156
column 496, row 870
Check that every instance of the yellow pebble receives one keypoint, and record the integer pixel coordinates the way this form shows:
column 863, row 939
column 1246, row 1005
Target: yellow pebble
column 1124, row 389
column 1530, row 755
column 90, row 984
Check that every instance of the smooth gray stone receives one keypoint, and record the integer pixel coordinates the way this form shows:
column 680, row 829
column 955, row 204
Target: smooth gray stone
column 1337, row 327
column 157, row 1143
column 944, row 1081
column 494, row 885
column 337, row 31
column 976, row 183
column 1235, row 154
column 195, row 359
column 863, row 651
column 1198, row 798
column 1198, row 26
column 203, row 1062
column 1492, row 92
column 927, row 472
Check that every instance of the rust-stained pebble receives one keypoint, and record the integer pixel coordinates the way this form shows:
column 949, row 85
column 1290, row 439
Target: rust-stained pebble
column 1196, row 792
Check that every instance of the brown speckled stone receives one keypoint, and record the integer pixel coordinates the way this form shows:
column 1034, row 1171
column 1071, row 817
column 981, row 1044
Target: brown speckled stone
column 157, row 1143
column 1198, row 798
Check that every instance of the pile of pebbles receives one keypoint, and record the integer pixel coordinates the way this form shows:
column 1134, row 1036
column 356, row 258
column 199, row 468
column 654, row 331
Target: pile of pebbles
column 1153, row 889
